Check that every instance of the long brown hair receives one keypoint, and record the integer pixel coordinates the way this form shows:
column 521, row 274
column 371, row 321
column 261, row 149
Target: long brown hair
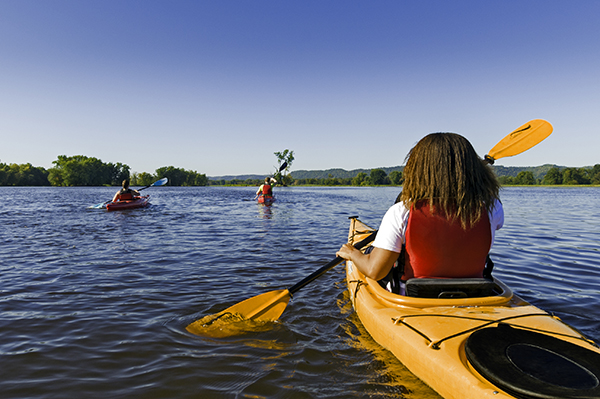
column 444, row 169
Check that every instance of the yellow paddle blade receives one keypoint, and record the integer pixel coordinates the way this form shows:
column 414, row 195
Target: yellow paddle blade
column 244, row 316
column 522, row 139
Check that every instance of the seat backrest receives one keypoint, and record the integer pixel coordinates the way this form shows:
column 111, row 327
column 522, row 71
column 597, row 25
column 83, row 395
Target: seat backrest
column 450, row 288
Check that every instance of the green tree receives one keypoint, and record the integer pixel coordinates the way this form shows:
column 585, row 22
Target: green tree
column 574, row 176
column 80, row 170
column 595, row 174
column 196, row 179
column 182, row 177
column 3, row 174
column 506, row 180
column 142, row 179
column 118, row 173
column 282, row 175
column 525, row 178
column 396, row 177
column 23, row 175
column 359, row 179
column 176, row 176
column 332, row 181
column 379, row 177
column 553, row 176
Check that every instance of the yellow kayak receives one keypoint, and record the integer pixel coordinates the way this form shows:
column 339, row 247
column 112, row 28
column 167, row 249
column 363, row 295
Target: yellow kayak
column 491, row 346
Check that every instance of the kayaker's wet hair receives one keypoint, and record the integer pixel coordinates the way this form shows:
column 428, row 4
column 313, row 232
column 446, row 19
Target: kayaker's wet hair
column 126, row 183
column 444, row 169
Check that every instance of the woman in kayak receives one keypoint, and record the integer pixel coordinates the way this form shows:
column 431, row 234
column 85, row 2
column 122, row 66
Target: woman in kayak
column 444, row 220
column 265, row 189
column 125, row 193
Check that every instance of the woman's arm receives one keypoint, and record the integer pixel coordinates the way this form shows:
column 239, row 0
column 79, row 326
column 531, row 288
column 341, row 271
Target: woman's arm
column 376, row 264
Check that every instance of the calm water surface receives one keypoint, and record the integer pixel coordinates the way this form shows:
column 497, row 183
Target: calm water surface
column 95, row 303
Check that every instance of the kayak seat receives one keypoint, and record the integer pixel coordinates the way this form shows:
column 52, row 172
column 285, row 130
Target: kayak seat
column 450, row 287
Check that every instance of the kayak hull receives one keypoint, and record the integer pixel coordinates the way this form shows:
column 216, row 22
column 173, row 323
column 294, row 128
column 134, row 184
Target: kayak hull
column 431, row 336
column 266, row 200
column 138, row 202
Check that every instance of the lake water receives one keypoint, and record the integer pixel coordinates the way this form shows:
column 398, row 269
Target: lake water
column 94, row 304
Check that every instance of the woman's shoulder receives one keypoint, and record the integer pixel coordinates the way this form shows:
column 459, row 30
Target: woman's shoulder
column 398, row 211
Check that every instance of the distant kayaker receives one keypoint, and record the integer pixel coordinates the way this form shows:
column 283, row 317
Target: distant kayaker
column 444, row 220
column 125, row 193
column 265, row 189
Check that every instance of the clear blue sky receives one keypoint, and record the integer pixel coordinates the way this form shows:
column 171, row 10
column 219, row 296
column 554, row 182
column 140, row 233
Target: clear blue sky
column 219, row 86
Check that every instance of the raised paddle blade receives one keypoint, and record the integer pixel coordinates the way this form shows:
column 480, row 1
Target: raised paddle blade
column 160, row 182
column 243, row 315
column 522, row 139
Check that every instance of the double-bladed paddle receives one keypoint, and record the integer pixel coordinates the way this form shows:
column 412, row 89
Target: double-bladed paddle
column 160, row 182
column 270, row 305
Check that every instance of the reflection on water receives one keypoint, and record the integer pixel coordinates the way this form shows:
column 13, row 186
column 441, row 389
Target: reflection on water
column 95, row 303
column 265, row 211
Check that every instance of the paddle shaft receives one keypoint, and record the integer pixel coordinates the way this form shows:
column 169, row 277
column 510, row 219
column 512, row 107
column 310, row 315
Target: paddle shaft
column 329, row 266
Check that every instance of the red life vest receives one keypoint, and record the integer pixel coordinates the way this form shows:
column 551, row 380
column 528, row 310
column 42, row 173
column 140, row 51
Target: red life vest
column 440, row 249
column 125, row 195
column 267, row 191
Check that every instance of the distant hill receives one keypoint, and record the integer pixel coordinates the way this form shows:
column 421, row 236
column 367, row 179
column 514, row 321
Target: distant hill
column 341, row 173
column 538, row 171
column 239, row 177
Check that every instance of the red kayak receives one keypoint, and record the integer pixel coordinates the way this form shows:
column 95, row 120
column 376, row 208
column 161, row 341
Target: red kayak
column 266, row 200
column 137, row 202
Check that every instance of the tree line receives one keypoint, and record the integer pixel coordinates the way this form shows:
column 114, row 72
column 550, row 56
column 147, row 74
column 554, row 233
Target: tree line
column 80, row 170
column 556, row 176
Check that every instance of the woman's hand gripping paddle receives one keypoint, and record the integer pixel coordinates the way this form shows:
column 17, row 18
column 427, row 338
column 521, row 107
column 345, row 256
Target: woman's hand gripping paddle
column 270, row 305
column 264, row 307
column 160, row 182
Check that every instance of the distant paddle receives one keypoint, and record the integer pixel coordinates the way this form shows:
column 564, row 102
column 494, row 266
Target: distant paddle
column 271, row 305
column 160, row 182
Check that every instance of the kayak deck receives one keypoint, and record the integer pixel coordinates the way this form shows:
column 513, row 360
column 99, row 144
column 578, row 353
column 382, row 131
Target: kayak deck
column 431, row 336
